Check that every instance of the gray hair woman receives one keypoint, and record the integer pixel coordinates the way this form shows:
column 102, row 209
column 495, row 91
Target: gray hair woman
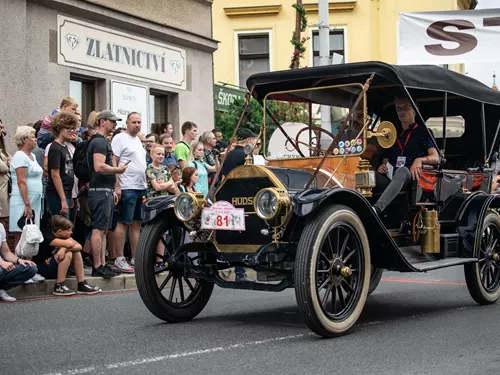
column 27, row 189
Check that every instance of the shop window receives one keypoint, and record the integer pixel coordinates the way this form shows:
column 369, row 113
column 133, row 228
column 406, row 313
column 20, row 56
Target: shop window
column 84, row 92
column 253, row 54
column 158, row 109
column 337, row 51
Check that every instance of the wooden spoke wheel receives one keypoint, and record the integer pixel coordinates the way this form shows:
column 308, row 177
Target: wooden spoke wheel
column 483, row 277
column 332, row 271
column 160, row 273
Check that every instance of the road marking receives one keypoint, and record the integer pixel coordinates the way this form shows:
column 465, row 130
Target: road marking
column 137, row 362
column 420, row 281
column 103, row 293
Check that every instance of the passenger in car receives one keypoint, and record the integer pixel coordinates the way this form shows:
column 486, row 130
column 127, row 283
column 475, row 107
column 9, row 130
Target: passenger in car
column 413, row 148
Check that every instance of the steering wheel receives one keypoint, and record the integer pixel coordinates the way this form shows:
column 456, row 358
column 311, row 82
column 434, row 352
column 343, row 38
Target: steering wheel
column 314, row 144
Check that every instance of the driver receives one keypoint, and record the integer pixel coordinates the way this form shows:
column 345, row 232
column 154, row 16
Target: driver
column 413, row 148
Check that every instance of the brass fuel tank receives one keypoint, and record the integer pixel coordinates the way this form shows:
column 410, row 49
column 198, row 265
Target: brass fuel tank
column 429, row 231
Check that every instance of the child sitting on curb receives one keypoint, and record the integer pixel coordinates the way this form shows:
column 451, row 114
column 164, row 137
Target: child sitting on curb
column 58, row 252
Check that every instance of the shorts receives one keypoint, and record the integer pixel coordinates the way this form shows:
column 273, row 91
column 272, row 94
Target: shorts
column 54, row 205
column 129, row 207
column 48, row 268
column 101, row 204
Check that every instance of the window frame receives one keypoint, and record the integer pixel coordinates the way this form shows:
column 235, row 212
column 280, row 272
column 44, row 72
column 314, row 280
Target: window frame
column 256, row 32
column 313, row 30
column 88, row 86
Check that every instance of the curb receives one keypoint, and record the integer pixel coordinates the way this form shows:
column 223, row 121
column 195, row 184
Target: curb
column 45, row 288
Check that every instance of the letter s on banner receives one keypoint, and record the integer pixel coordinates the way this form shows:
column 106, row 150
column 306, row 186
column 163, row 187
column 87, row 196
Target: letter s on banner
column 466, row 42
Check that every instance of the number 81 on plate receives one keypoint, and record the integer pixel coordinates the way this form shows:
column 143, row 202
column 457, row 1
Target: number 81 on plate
column 223, row 218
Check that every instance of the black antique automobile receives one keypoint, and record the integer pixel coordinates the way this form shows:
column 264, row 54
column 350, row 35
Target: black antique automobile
column 305, row 220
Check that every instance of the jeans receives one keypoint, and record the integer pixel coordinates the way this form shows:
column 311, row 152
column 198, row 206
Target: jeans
column 401, row 178
column 11, row 279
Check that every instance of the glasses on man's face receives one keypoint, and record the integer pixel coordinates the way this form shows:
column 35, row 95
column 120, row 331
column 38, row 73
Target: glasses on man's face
column 403, row 107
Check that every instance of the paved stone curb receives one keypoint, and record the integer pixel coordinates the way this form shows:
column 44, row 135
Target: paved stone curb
column 45, row 288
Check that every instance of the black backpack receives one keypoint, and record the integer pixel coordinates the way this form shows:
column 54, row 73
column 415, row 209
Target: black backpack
column 81, row 165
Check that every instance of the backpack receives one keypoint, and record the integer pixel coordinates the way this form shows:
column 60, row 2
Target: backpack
column 81, row 165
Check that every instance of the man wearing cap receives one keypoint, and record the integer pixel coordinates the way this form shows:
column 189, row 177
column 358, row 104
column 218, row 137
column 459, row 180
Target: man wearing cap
column 130, row 188
column 101, row 199
column 236, row 157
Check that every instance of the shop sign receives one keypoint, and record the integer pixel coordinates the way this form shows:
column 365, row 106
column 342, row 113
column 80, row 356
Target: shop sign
column 225, row 96
column 92, row 47
column 126, row 98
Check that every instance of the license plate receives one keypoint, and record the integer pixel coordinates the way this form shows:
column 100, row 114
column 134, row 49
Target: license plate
column 223, row 215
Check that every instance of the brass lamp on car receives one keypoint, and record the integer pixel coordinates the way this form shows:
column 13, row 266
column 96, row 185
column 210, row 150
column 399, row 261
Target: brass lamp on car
column 270, row 203
column 188, row 206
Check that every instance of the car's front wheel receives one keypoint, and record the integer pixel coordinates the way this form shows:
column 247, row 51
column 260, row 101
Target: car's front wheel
column 162, row 282
column 332, row 271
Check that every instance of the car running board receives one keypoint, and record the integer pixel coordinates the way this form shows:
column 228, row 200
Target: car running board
column 427, row 262
column 442, row 263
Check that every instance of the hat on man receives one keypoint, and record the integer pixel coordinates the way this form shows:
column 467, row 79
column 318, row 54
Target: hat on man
column 107, row 115
column 244, row 133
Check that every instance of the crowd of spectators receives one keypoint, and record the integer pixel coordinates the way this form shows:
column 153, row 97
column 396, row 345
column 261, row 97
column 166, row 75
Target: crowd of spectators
column 93, row 221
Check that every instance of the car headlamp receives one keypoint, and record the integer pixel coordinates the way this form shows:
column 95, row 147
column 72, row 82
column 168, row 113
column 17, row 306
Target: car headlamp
column 270, row 203
column 188, row 206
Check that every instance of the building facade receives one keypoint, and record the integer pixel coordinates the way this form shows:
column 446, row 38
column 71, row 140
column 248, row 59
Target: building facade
column 151, row 56
column 255, row 36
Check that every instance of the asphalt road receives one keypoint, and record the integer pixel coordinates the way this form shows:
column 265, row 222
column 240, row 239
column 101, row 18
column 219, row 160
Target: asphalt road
column 412, row 324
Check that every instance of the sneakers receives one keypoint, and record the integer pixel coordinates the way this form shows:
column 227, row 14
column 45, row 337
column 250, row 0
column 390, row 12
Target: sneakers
column 35, row 279
column 5, row 297
column 132, row 262
column 38, row 278
column 84, row 288
column 112, row 268
column 62, row 290
column 103, row 272
column 123, row 266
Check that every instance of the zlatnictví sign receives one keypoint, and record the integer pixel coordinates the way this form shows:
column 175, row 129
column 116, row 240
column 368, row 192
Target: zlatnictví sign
column 92, row 47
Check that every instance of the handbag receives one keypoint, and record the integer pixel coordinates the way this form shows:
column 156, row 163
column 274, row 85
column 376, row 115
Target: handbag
column 30, row 241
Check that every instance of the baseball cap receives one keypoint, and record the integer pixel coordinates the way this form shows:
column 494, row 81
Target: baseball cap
column 245, row 134
column 107, row 115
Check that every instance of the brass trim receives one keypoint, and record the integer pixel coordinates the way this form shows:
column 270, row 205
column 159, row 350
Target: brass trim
column 284, row 203
column 338, row 5
column 198, row 201
column 260, row 10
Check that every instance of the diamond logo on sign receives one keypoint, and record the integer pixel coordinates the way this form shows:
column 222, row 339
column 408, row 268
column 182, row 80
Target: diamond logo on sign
column 175, row 65
column 72, row 40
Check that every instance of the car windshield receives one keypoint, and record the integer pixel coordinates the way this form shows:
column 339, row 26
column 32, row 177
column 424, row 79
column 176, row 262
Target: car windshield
column 312, row 127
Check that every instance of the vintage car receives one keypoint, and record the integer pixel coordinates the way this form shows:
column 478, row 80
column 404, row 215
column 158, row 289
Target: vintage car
column 306, row 221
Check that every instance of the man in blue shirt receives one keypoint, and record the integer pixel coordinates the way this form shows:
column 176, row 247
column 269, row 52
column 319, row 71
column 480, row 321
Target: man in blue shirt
column 413, row 148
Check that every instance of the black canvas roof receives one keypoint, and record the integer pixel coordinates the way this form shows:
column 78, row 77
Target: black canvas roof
column 429, row 78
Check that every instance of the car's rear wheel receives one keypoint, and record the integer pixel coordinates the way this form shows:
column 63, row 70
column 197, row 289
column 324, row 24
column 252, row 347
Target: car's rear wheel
column 332, row 271
column 483, row 277
column 375, row 277
column 168, row 292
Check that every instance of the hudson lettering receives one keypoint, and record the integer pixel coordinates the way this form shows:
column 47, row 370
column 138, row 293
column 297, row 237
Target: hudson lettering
column 242, row 201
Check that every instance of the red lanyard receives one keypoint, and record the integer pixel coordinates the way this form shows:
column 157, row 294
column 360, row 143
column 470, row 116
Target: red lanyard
column 401, row 147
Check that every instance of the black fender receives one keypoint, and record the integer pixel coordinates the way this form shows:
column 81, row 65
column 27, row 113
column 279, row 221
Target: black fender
column 470, row 221
column 385, row 253
column 155, row 206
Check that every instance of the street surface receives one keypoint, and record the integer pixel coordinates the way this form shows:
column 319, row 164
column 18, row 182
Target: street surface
column 412, row 324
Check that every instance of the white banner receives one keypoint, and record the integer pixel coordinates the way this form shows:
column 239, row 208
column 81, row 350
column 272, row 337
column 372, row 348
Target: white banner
column 126, row 98
column 453, row 37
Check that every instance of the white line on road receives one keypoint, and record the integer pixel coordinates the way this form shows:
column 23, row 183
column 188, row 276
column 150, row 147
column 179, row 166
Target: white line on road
column 137, row 362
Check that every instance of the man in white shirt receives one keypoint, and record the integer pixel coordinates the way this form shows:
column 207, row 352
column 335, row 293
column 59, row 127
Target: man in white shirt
column 130, row 187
